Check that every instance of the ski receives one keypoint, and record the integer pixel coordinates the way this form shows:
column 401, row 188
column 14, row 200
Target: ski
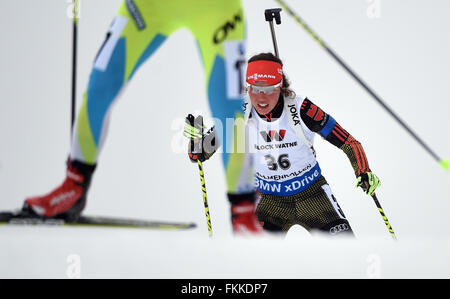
column 9, row 218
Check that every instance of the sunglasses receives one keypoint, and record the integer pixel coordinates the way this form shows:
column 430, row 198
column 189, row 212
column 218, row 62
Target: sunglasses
column 267, row 89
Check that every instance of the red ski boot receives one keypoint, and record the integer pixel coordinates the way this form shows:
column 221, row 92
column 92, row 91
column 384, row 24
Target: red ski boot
column 243, row 215
column 68, row 200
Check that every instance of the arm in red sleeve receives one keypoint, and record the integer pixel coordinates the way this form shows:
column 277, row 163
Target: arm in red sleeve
column 325, row 125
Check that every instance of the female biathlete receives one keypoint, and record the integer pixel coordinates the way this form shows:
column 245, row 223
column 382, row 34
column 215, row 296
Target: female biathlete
column 280, row 132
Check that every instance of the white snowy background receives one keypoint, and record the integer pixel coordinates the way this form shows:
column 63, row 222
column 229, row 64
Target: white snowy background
column 399, row 47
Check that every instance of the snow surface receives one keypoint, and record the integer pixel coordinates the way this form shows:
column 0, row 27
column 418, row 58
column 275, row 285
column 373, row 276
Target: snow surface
column 402, row 55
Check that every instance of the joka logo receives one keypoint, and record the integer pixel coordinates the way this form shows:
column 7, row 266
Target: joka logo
column 273, row 135
column 294, row 114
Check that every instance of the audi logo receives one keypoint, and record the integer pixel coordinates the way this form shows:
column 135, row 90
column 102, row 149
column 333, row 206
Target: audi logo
column 339, row 228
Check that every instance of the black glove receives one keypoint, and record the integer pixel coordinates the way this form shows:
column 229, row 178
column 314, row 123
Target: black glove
column 201, row 145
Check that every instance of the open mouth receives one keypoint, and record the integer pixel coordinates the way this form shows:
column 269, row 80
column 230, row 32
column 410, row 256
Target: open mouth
column 263, row 105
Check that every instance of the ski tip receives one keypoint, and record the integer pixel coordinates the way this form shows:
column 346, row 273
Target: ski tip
column 445, row 164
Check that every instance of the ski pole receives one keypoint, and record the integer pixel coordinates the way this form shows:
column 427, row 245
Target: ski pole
column 205, row 197
column 74, row 63
column 198, row 123
column 386, row 221
column 444, row 163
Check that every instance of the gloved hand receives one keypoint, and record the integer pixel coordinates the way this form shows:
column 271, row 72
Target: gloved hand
column 243, row 215
column 201, row 145
column 369, row 182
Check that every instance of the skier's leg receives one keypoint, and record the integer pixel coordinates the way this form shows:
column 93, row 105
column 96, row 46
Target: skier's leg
column 335, row 227
column 275, row 213
column 272, row 228
column 222, row 48
column 318, row 211
column 137, row 31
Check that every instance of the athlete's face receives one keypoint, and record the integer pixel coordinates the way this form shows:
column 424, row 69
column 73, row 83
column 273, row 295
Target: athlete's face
column 264, row 102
